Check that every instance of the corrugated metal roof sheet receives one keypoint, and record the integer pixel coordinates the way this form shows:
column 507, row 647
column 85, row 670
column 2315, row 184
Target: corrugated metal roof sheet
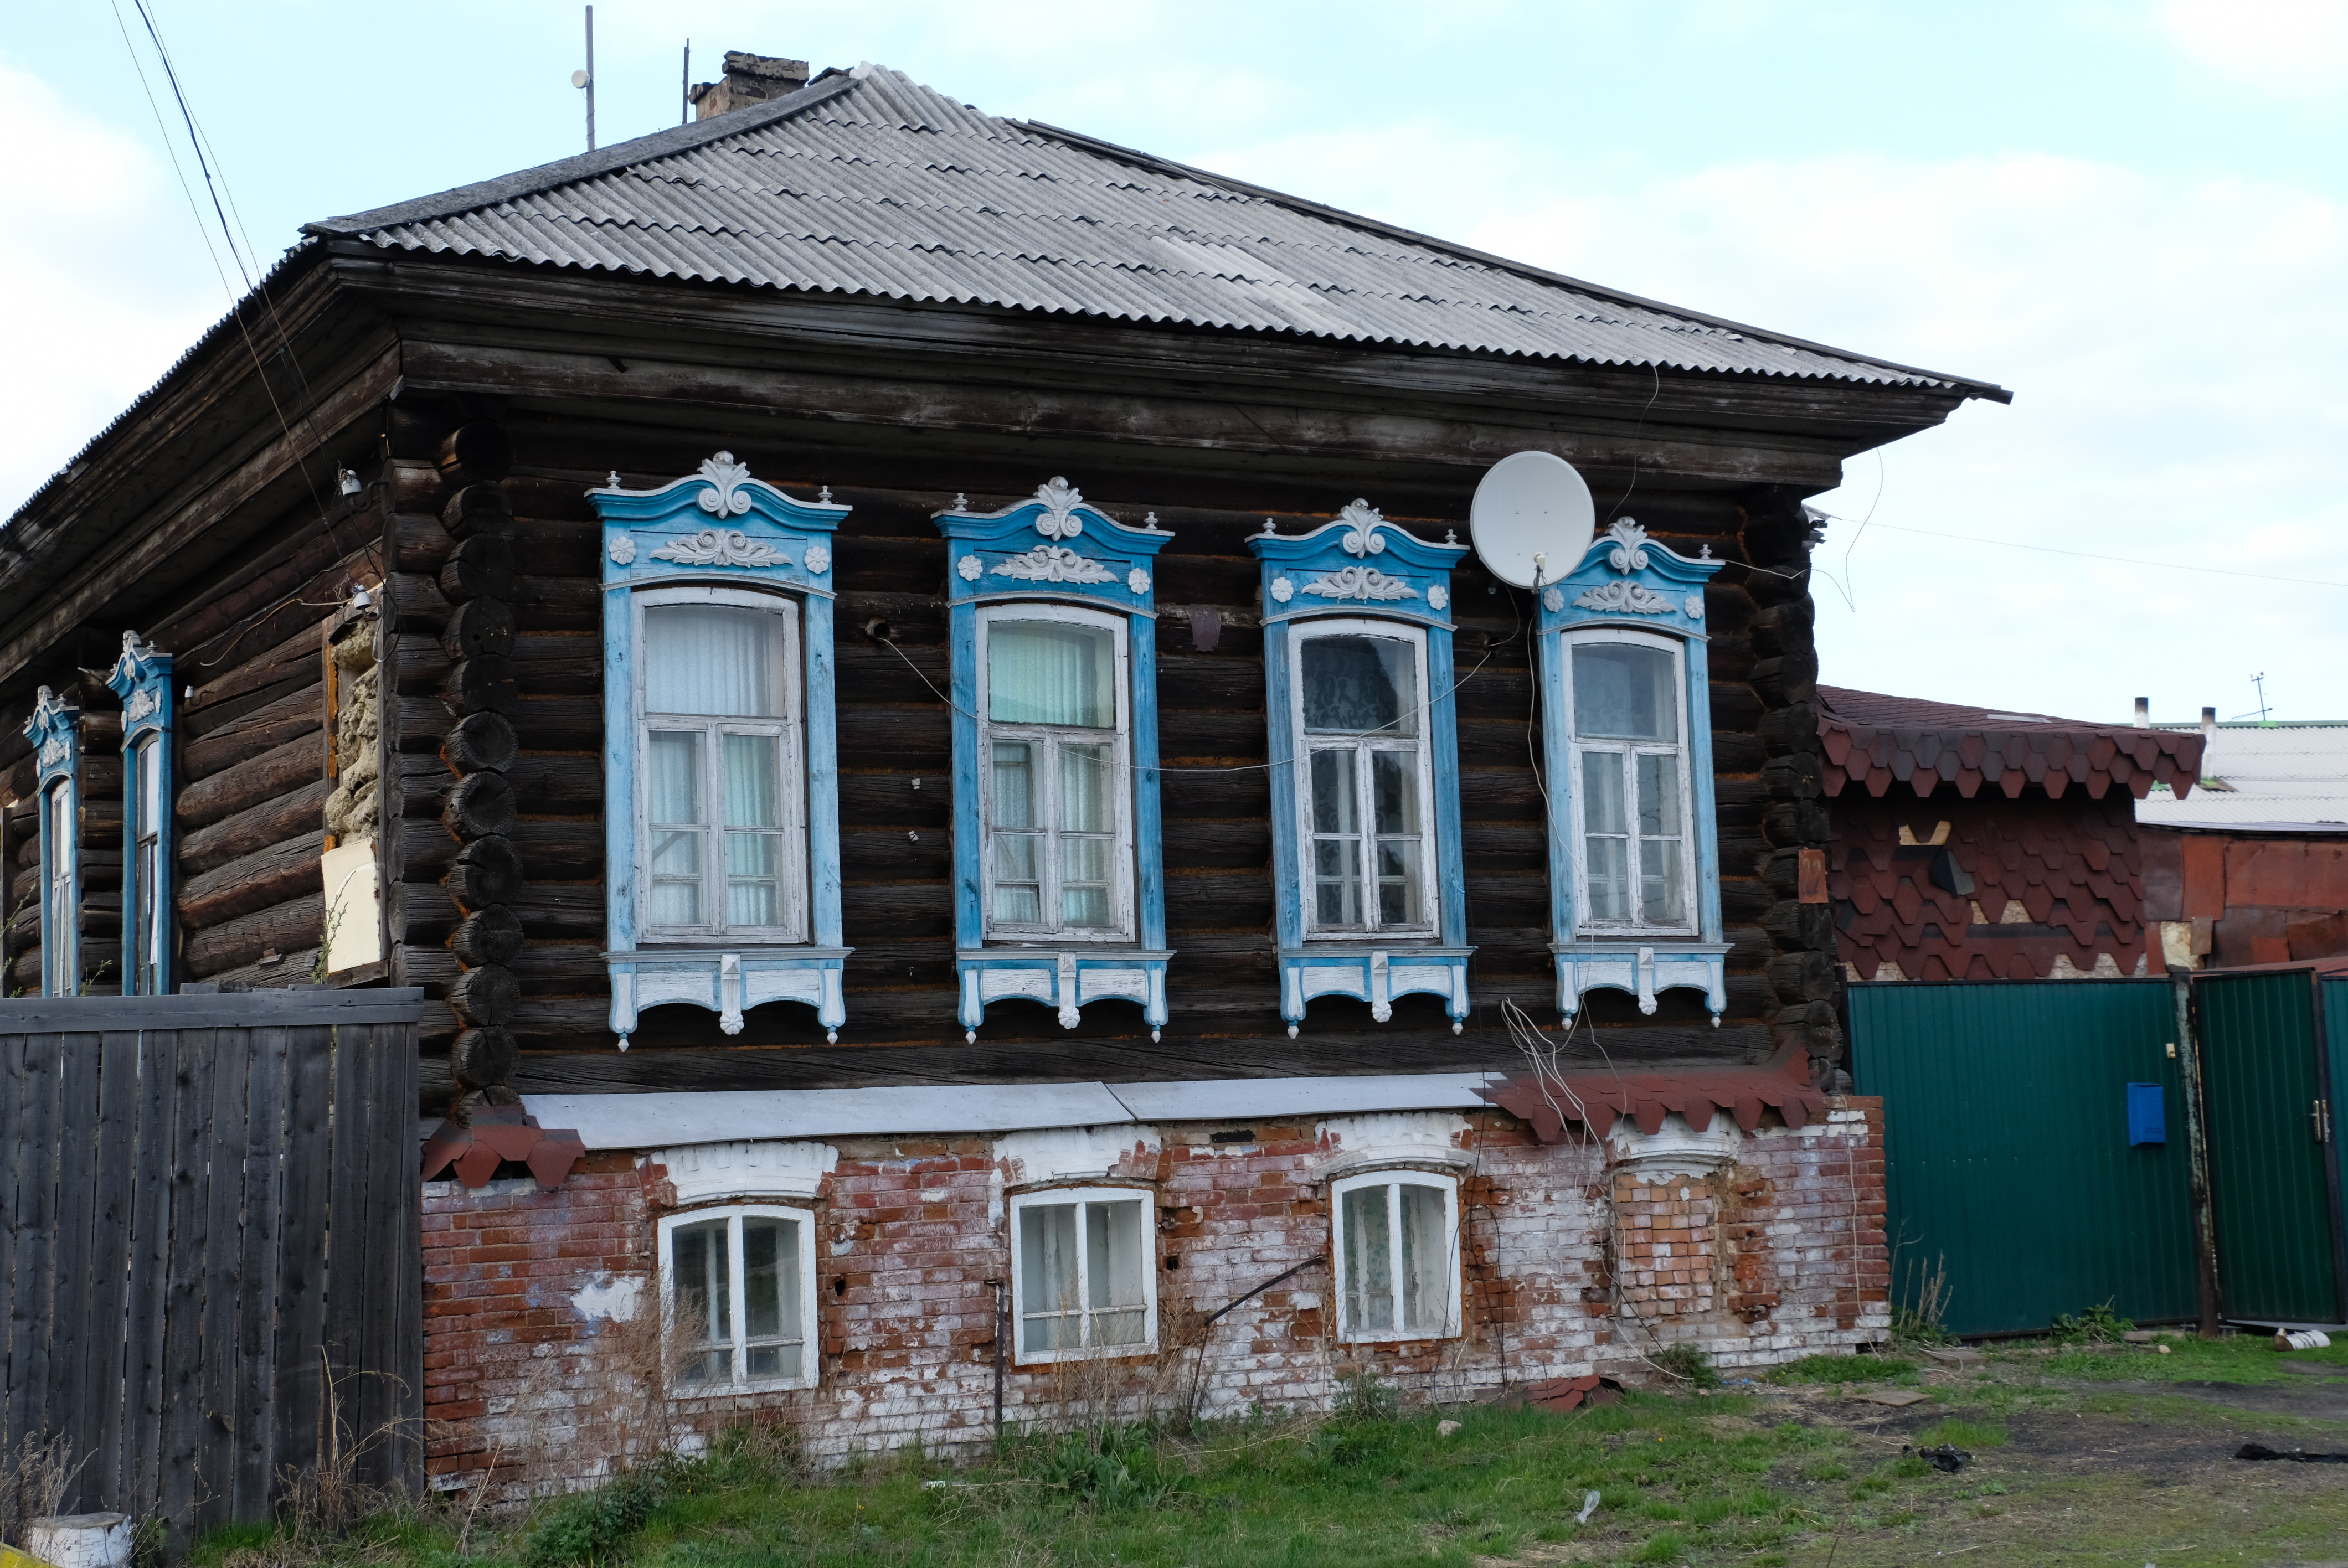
column 2276, row 778
column 868, row 183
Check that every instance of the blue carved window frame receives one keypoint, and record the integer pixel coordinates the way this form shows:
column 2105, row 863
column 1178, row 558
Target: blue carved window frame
column 142, row 677
column 720, row 528
column 1055, row 549
column 1362, row 568
column 55, row 730
column 1626, row 582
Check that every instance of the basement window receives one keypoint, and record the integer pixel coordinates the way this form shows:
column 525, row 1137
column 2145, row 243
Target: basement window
column 1083, row 1285
column 1397, row 1243
column 737, row 1299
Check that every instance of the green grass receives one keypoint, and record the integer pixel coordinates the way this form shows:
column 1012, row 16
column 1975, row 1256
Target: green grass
column 1970, row 1436
column 2240, row 1358
column 1843, row 1370
column 1729, row 1477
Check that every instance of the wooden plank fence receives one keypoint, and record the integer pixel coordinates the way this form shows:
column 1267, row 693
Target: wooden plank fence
column 210, row 1240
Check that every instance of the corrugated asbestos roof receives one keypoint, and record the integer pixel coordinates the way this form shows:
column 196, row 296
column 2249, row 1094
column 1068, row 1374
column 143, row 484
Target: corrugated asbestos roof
column 2275, row 778
column 868, row 183
column 1874, row 739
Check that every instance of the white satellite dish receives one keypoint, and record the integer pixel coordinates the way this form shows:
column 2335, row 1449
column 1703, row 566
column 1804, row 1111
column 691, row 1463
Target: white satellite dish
column 1531, row 518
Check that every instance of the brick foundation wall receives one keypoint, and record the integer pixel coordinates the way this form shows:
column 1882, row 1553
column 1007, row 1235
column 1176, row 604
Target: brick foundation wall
column 542, row 1360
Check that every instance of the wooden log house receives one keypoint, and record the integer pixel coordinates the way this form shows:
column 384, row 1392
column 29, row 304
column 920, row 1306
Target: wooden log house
column 1117, row 904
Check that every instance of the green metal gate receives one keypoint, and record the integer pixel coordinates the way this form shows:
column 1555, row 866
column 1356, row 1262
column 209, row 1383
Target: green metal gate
column 2274, row 1182
column 2008, row 1159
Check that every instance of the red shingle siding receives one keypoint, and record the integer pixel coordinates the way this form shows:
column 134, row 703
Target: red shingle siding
column 2072, row 865
column 525, row 1370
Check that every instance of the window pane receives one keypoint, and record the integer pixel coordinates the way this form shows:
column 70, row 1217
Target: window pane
column 673, row 778
column 1394, row 790
column 1399, row 899
column 1425, row 1259
column 753, row 792
column 1662, row 900
column 1085, row 790
column 1624, row 689
column 1085, row 869
column 150, row 789
column 1602, row 791
column 1334, row 808
column 1047, row 1277
column 1014, row 784
column 1117, row 1271
column 1050, row 672
column 762, row 1306
column 1337, row 882
column 1353, row 684
column 713, row 658
column 1368, row 1260
column 703, row 1301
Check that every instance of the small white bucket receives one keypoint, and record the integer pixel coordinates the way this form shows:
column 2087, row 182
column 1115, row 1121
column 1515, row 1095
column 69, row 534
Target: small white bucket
column 80, row 1539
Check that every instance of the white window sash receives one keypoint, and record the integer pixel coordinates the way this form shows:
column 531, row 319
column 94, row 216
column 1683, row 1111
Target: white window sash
column 1364, row 817
column 60, row 931
column 739, row 1341
column 149, row 909
column 791, row 829
column 1620, row 753
column 1049, row 834
column 1393, row 1181
column 1025, row 1310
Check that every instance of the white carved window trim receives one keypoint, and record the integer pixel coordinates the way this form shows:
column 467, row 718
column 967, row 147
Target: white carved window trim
column 1422, row 744
column 1050, row 737
column 1022, row 1307
column 1581, row 750
column 60, row 917
column 791, row 729
column 810, row 1338
column 1395, row 1177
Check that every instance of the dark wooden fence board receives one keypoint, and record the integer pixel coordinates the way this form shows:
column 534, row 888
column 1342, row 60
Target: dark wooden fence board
column 29, row 1306
column 302, row 1299
column 104, row 1364
column 208, row 1216
column 151, row 1262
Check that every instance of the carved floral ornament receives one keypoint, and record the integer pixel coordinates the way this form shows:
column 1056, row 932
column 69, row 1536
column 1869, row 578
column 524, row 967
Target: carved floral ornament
column 1365, row 582
column 725, row 497
column 1053, row 563
column 721, row 546
column 1059, row 520
column 143, row 701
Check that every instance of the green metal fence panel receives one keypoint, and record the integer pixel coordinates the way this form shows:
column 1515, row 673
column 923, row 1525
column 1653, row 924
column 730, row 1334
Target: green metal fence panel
column 2007, row 1157
column 2269, row 1200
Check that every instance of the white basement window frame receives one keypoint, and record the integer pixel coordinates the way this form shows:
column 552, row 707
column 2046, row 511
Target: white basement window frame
column 770, row 552
column 1084, row 1282
column 1395, row 1244
column 746, row 1318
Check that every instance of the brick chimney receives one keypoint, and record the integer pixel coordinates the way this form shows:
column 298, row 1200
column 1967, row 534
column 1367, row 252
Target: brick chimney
column 749, row 79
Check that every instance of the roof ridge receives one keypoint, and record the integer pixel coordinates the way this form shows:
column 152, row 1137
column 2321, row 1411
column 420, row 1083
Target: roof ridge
column 587, row 165
column 1988, row 389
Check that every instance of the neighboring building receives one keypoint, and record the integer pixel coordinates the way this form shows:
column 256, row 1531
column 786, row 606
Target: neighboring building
column 917, row 680
column 1975, row 845
column 2252, row 867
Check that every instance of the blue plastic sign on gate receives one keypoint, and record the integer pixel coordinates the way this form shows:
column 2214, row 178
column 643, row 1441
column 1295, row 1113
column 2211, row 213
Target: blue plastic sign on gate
column 2147, row 1112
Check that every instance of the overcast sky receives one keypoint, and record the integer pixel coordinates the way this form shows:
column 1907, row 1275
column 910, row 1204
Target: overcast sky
column 2132, row 213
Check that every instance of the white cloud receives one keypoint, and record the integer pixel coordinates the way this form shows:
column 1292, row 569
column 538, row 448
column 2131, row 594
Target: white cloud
column 2292, row 48
column 104, row 278
column 2171, row 343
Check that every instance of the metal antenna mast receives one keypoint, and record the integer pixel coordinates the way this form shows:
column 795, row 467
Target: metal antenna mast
column 586, row 78
column 685, row 86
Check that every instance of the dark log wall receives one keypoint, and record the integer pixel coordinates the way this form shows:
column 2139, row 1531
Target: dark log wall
column 896, row 845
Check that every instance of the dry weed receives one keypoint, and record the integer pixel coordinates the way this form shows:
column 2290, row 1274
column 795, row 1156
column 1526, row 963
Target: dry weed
column 35, row 1478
